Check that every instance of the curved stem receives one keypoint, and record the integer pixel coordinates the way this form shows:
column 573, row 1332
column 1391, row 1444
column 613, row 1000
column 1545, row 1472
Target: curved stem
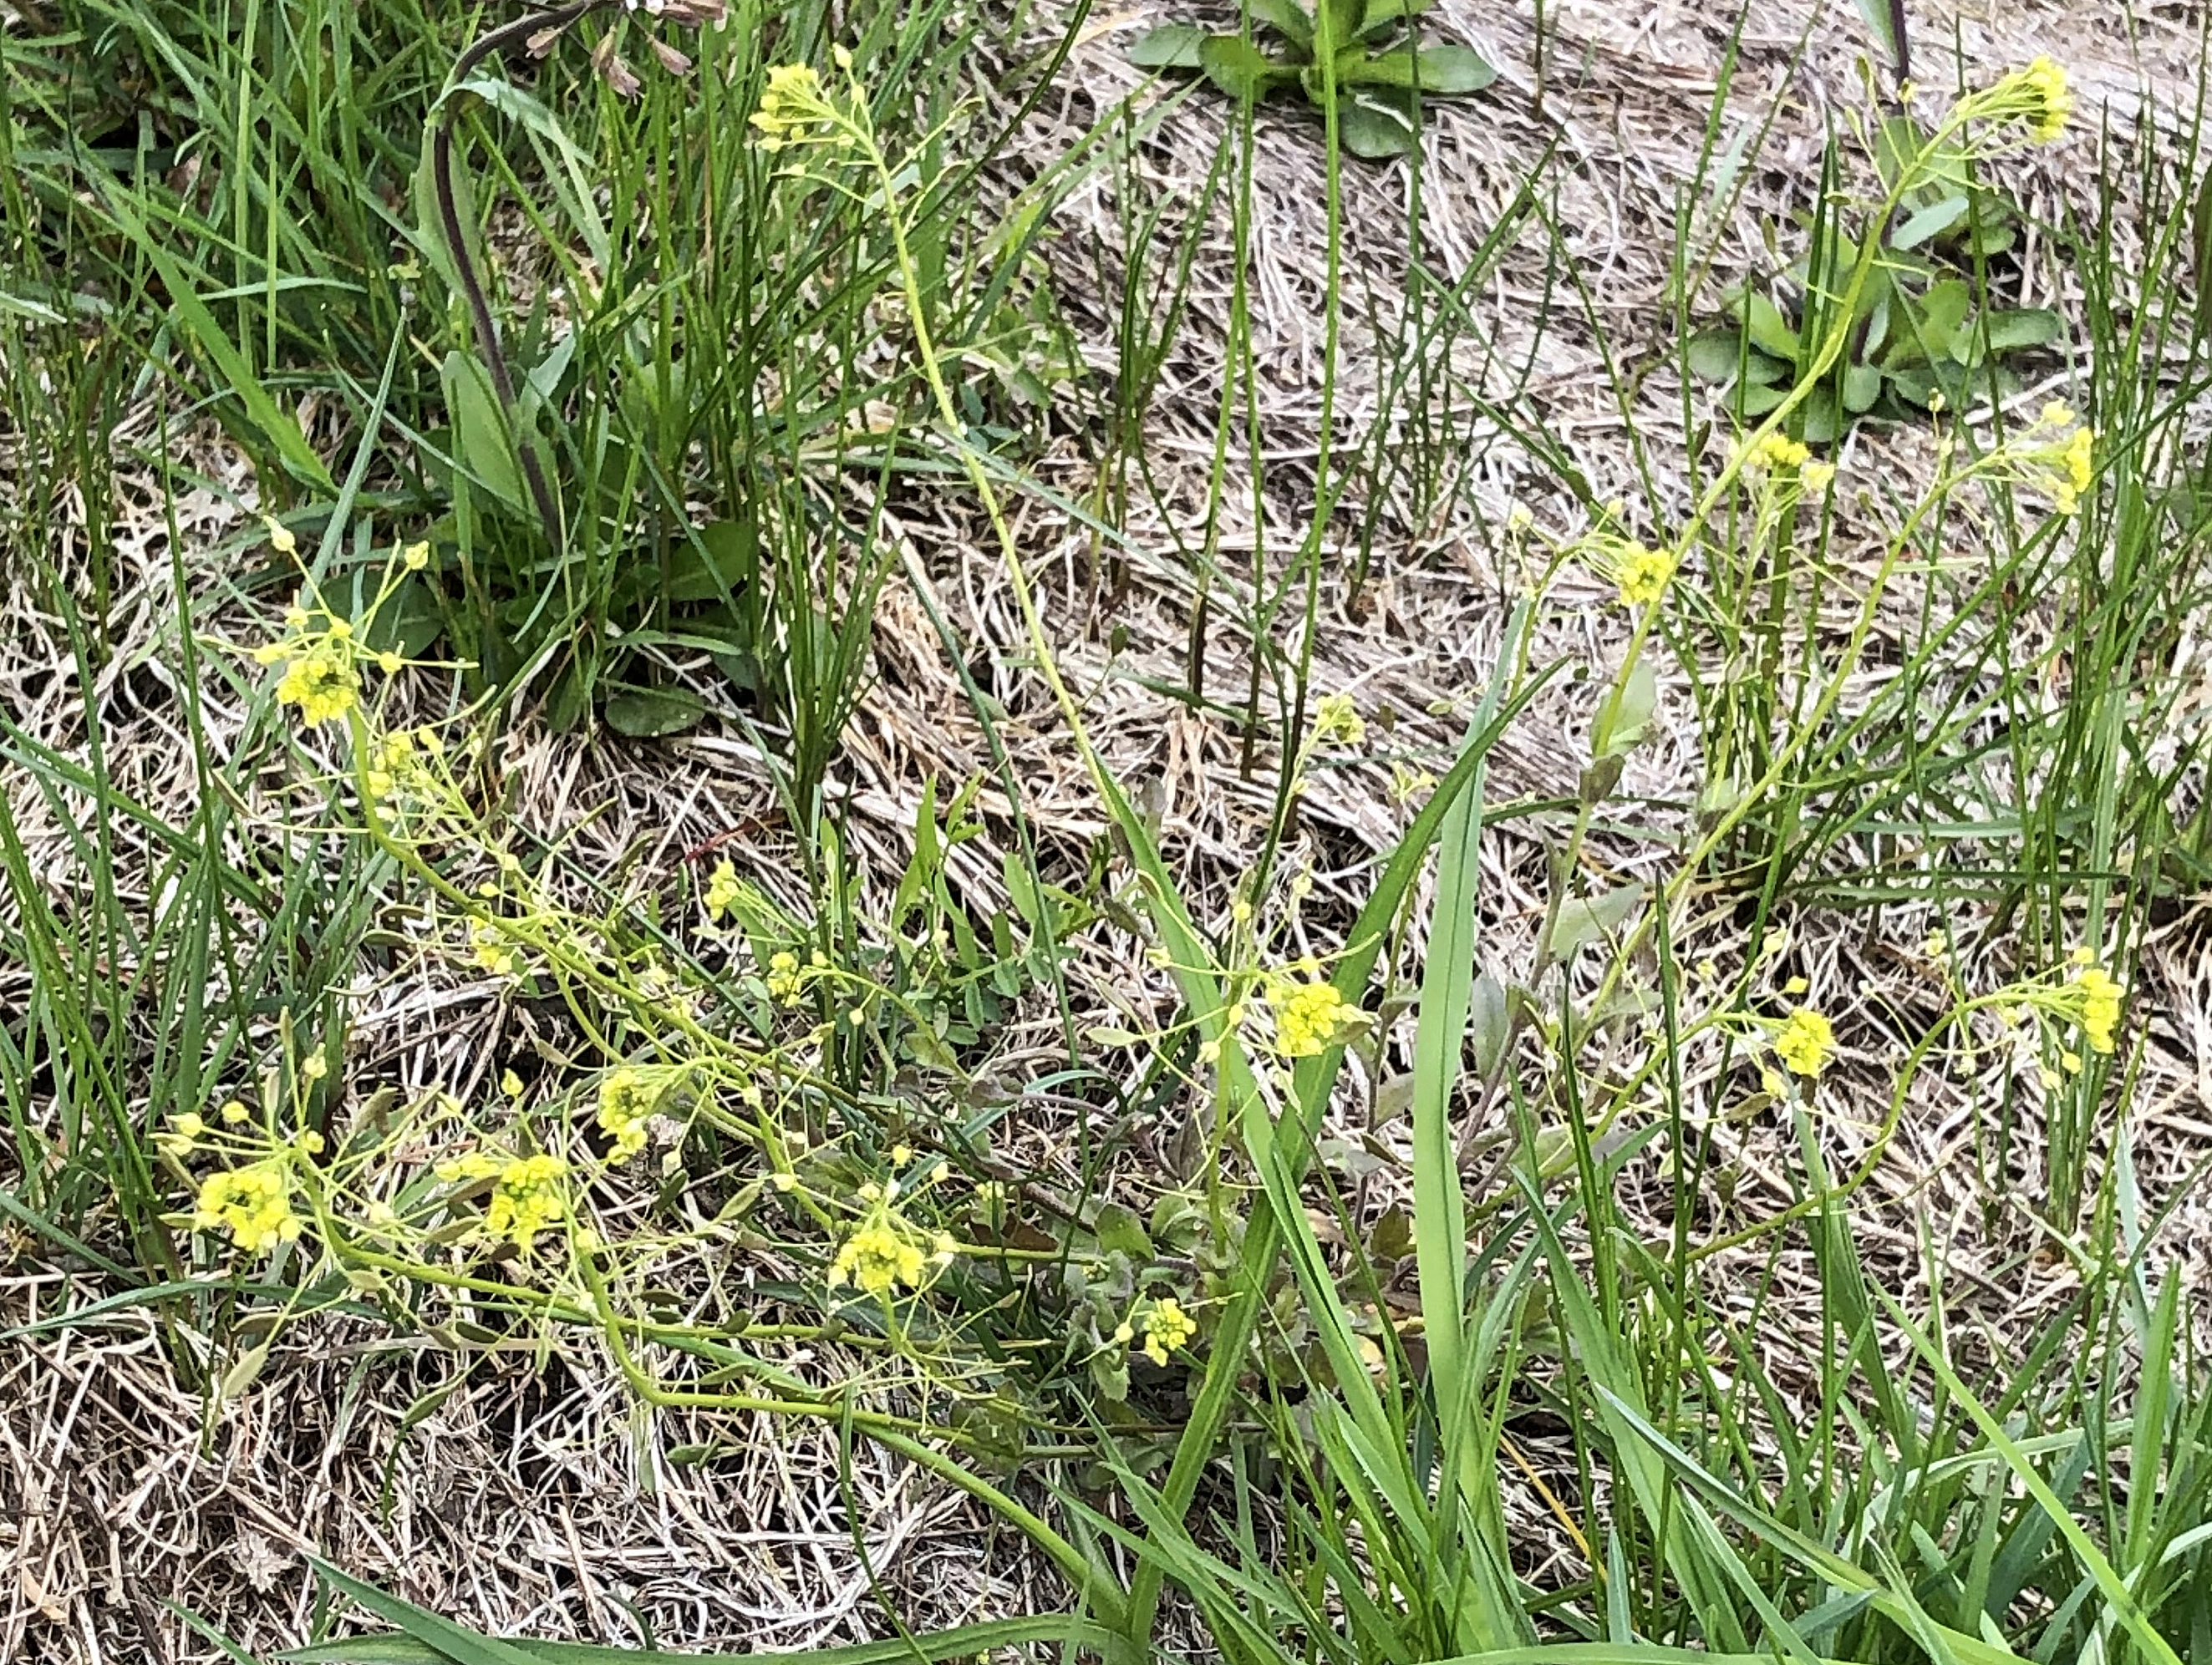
column 456, row 246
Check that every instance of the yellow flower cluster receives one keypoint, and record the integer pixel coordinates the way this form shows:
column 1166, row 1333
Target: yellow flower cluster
column 2037, row 96
column 254, row 1204
column 402, row 764
column 2050, row 100
column 2099, row 994
column 878, row 1258
column 1775, row 450
column 1337, row 722
column 526, row 1199
column 795, row 108
column 1167, row 1328
column 1805, row 1042
column 1643, row 574
column 319, row 675
column 492, row 952
column 783, row 978
column 2055, row 456
column 1310, row 1016
column 627, row 1099
column 723, row 888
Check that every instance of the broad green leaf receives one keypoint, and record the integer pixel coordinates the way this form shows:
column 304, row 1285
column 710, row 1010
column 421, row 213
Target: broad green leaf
column 1769, row 330
column 483, row 444
column 1621, row 722
column 1929, row 222
column 1241, row 70
column 1584, row 920
column 1453, row 70
column 1861, row 388
column 722, row 561
column 1287, row 18
column 1941, row 310
column 1446, row 70
column 2019, row 327
column 1171, row 46
column 1716, row 355
column 1119, row 1228
column 1886, row 22
column 1373, row 129
column 646, row 713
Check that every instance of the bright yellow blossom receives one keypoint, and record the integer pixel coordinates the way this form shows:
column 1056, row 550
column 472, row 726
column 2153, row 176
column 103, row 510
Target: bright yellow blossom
column 254, row 1204
column 1641, row 573
column 722, row 889
column 878, row 1258
column 1167, row 1328
column 526, row 1199
column 627, row 1098
column 1805, row 1042
column 1310, row 1016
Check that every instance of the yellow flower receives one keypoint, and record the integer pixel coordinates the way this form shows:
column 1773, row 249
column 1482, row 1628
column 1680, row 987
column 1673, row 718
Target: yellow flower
column 526, row 1199
column 783, row 978
column 416, row 556
column 1805, row 1042
column 1337, row 722
column 627, row 1098
column 1167, row 1327
column 793, row 108
column 2100, row 1005
column 2037, row 96
column 1775, row 450
column 254, row 1204
column 190, row 1126
column 1641, row 573
column 878, row 1258
column 492, row 952
column 475, row 1166
column 280, row 535
column 234, row 1112
column 1310, row 1016
column 722, row 889
column 319, row 679
column 2045, row 82
column 2055, row 455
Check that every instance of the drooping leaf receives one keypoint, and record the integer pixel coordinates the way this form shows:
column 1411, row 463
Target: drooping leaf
column 1171, row 46
column 1287, row 18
